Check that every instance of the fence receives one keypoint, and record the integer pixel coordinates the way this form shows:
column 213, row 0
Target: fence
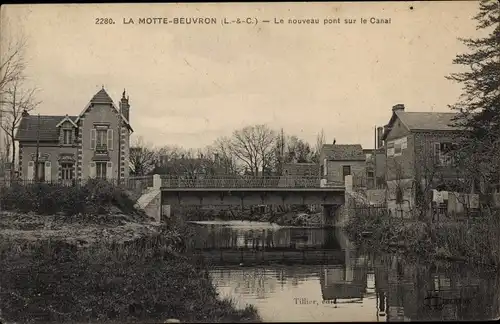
column 242, row 182
column 131, row 183
column 140, row 183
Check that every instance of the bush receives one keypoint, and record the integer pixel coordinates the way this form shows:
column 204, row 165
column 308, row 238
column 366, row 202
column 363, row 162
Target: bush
column 95, row 197
column 477, row 241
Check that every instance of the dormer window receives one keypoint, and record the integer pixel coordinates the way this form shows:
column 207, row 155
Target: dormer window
column 67, row 136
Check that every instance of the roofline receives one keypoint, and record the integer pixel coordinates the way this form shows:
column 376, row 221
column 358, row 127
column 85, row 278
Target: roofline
column 436, row 130
column 114, row 107
column 302, row 163
column 391, row 122
column 65, row 119
column 347, row 160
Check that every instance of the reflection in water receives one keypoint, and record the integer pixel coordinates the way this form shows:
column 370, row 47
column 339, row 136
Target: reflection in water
column 363, row 288
column 213, row 236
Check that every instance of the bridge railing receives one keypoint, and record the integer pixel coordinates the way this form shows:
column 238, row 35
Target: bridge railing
column 241, row 182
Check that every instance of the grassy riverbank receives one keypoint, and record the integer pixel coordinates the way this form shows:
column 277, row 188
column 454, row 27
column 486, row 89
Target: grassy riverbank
column 102, row 264
column 476, row 241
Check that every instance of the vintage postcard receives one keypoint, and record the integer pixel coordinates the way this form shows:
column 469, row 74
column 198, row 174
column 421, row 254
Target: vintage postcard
column 250, row 162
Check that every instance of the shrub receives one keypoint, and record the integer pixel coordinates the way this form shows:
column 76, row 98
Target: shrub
column 95, row 197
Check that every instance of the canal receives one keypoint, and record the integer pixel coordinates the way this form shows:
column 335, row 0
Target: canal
column 311, row 274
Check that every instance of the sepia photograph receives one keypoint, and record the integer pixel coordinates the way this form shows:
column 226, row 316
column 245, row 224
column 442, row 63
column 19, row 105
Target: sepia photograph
column 250, row 162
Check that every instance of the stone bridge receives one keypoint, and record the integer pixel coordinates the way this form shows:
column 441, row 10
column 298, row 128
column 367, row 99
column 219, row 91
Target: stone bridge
column 242, row 191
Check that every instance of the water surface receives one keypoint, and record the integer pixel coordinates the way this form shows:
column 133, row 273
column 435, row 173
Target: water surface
column 309, row 274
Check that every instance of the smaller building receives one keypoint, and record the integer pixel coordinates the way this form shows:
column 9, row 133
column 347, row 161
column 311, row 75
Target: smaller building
column 340, row 160
column 301, row 170
column 375, row 168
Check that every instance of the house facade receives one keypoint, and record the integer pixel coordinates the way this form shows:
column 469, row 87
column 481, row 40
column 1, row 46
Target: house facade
column 93, row 144
column 375, row 168
column 340, row 160
column 418, row 158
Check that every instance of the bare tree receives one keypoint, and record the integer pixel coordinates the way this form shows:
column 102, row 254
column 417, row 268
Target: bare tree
column 222, row 156
column 320, row 140
column 298, row 150
column 253, row 147
column 17, row 99
column 12, row 62
column 169, row 152
column 4, row 156
column 143, row 157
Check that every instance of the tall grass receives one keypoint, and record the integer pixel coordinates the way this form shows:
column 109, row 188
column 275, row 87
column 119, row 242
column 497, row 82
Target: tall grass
column 477, row 240
column 143, row 280
column 148, row 279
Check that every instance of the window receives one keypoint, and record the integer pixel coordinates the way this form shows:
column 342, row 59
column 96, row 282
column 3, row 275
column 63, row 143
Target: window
column 390, row 148
column 370, row 174
column 67, row 136
column 399, row 195
column 66, row 171
column 322, row 170
column 40, row 171
column 101, row 170
column 102, row 138
column 443, row 154
column 397, row 148
column 346, row 170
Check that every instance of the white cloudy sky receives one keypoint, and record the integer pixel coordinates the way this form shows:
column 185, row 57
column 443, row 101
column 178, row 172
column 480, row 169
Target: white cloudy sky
column 189, row 84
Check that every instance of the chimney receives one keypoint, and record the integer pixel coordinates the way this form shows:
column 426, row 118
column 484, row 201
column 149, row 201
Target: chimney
column 25, row 113
column 125, row 107
column 380, row 131
column 398, row 107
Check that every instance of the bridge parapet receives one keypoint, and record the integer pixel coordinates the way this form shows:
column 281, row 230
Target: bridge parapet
column 244, row 182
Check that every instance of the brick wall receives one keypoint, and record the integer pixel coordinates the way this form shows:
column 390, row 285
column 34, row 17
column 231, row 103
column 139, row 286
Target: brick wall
column 424, row 149
column 402, row 166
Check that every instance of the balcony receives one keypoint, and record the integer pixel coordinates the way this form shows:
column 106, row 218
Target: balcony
column 101, row 152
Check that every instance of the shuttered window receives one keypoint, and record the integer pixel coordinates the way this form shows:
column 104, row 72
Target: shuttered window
column 110, row 139
column 93, row 136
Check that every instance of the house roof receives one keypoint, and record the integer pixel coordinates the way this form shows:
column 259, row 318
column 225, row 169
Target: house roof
column 102, row 97
column 423, row 121
column 427, row 120
column 302, row 169
column 28, row 128
column 49, row 132
column 343, row 152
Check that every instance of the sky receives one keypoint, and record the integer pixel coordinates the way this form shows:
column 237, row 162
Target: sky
column 189, row 84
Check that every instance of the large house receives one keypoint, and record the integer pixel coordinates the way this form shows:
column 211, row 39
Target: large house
column 340, row 160
column 417, row 146
column 93, row 144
